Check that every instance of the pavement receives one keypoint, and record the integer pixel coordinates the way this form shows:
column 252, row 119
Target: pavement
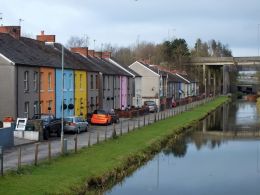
column 95, row 134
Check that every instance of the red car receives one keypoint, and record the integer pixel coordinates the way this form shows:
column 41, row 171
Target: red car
column 101, row 117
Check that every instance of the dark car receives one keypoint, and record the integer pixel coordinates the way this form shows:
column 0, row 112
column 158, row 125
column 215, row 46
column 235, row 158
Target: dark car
column 50, row 125
column 114, row 115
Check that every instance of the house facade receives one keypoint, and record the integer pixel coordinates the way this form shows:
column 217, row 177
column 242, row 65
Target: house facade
column 80, row 80
column 68, row 93
column 47, row 90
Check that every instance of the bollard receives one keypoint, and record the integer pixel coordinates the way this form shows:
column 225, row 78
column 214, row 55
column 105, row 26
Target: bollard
column 19, row 157
column 36, row 154
column 89, row 140
column 76, row 143
column 2, row 161
column 121, row 128
column 65, row 146
column 49, row 151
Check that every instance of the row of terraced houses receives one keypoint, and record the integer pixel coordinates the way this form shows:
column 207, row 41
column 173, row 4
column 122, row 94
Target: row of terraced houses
column 31, row 79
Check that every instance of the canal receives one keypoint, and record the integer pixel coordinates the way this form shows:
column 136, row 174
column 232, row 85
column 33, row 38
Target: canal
column 221, row 155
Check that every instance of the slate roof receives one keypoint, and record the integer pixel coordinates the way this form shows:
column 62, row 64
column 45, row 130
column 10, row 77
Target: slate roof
column 127, row 68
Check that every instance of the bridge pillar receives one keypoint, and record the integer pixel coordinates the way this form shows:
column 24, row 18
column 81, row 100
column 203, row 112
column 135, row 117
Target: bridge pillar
column 204, row 79
column 214, row 83
column 226, row 82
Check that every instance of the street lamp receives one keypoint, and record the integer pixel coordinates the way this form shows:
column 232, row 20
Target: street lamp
column 258, row 39
column 62, row 101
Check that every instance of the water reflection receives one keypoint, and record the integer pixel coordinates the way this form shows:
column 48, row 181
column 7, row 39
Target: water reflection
column 205, row 160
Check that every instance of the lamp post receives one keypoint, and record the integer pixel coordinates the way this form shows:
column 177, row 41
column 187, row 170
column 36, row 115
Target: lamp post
column 258, row 38
column 62, row 101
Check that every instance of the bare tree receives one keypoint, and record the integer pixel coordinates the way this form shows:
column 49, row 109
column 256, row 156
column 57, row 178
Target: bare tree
column 76, row 41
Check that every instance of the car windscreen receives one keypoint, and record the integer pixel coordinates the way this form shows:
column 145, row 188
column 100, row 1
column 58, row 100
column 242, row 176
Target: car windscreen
column 150, row 103
column 68, row 120
column 99, row 112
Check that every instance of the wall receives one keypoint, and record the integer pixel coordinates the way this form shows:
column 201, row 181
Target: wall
column 68, row 92
column 7, row 89
column 137, row 99
column 93, row 91
column 123, row 92
column 47, row 93
column 108, row 92
column 7, row 137
column 31, row 95
column 150, row 81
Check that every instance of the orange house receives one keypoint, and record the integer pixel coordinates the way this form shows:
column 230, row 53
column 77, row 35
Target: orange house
column 47, row 90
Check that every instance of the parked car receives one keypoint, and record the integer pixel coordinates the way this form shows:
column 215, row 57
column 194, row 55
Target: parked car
column 151, row 105
column 75, row 124
column 50, row 124
column 101, row 117
column 114, row 115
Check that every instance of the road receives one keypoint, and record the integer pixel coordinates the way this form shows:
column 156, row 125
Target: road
column 94, row 134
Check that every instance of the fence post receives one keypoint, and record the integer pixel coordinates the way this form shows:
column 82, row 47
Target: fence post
column 97, row 137
column 2, row 161
column 106, row 134
column 148, row 119
column 144, row 121
column 76, row 143
column 121, row 128
column 19, row 157
column 49, row 151
column 138, row 123
column 89, row 139
column 134, row 125
column 128, row 126
column 155, row 116
column 36, row 154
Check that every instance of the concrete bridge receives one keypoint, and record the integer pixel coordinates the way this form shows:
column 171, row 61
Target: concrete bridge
column 216, row 74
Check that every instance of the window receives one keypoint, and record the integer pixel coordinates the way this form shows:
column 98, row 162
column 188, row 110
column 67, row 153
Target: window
column 41, row 81
column 26, row 81
column 49, row 81
column 49, row 105
column 91, row 104
column 70, row 82
column 97, row 82
column 35, row 107
column 35, row 81
column 96, row 100
column 80, row 81
column 91, row 82
column 26, row 109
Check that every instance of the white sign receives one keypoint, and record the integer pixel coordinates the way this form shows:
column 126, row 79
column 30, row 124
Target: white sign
column 21, row 124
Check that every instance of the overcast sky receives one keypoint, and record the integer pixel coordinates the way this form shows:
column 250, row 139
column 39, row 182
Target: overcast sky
column 125, row 22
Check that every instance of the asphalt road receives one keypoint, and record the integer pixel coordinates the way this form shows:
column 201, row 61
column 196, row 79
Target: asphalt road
column 94, row 134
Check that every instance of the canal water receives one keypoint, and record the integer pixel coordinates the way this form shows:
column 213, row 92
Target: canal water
column 208, row 160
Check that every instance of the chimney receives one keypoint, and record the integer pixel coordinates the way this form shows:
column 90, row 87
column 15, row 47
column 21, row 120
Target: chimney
column 91, row 53
column 14, row 31
column 106, row 54
column 45, row 38
column 98, row 54
column 81, row 50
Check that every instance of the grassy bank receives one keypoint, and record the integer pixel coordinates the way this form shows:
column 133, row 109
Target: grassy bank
column 102, row 162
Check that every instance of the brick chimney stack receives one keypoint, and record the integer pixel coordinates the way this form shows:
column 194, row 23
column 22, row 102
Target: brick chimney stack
column 106, row 54
column 81, row 50
column 98, row 54
column 14, row 31
column 91, row 53
column 45, row 38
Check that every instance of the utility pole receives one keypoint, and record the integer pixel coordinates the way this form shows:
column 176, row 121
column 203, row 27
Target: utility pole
column 62, row 101
column 20, row 21
column 258, row 38
column 1, row 18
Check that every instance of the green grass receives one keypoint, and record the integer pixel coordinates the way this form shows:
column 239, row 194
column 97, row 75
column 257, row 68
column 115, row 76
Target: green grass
column 68, row 173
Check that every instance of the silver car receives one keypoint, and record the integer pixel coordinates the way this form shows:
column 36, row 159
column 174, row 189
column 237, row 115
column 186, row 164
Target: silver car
column 151, row 105
column 75, row 124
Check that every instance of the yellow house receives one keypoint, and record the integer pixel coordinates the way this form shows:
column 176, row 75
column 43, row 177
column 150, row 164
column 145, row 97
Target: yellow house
column 80, row 93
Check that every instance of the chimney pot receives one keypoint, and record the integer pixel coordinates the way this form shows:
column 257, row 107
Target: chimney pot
column 42, row 32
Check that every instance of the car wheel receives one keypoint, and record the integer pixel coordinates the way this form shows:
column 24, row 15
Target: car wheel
column 46, row 134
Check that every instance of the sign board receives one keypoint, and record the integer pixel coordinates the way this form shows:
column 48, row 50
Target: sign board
column 21, row 124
